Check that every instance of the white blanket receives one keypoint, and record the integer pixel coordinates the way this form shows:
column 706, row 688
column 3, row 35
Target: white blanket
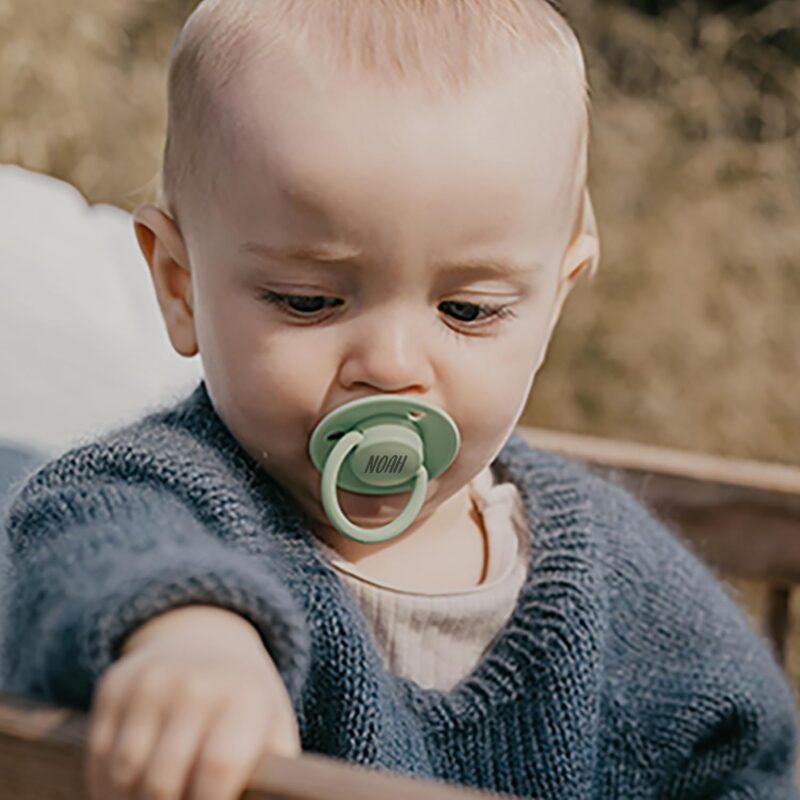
column 83, row 346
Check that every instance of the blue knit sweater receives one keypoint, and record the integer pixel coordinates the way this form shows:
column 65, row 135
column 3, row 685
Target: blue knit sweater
column 624, row 672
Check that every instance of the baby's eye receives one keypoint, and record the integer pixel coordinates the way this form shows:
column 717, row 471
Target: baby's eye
column 307, row 305
column 471, row 310
column 302, row 304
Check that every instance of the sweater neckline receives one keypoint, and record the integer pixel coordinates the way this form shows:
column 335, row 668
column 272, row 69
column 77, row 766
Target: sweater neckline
column 557, row 622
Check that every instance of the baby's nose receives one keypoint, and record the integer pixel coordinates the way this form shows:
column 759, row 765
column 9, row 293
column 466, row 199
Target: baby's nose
column 390, row 353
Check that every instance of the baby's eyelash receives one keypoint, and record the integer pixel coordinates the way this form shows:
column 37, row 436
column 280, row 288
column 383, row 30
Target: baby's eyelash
column 500, row 312
column 490, row 311
column 281, row 300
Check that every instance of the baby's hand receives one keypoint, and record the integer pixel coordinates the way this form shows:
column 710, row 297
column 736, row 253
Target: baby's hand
column 187, row 711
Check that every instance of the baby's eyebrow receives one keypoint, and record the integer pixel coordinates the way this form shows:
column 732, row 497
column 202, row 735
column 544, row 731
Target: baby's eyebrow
column 342, row 255
column 329, row 253
column 496, row 268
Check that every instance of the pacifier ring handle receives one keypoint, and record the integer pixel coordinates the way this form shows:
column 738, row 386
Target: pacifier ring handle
column 330, row 501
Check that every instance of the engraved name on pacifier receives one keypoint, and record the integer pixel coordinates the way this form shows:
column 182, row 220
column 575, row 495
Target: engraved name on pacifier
column 386, row 463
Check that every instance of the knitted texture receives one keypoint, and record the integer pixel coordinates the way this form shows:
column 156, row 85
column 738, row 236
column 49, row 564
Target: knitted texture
column 625, row 670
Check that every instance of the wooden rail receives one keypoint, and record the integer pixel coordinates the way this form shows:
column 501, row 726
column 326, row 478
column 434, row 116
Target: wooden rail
column 42, row 758
column 742, row 517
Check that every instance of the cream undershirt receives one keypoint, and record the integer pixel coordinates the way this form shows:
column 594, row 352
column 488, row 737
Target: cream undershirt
column 436, row 639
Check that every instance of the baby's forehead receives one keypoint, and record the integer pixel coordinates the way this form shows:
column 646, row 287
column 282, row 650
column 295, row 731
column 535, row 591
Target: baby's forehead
column 443, row 193
column 292, row 118
column 290, row 84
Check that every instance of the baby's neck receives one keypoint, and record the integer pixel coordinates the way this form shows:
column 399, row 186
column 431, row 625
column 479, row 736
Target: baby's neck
column 446, row 552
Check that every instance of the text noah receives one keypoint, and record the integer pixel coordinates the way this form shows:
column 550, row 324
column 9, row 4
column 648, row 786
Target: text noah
column 385, row 464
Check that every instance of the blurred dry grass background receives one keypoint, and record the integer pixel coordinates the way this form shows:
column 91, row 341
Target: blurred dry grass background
column 689, row 336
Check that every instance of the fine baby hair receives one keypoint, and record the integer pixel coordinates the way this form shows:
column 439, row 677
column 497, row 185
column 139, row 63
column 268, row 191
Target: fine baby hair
column 440, row 47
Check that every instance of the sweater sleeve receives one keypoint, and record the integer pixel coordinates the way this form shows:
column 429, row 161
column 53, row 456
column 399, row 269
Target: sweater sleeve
column 96, row 552
column 700, row 698
column 745, row 749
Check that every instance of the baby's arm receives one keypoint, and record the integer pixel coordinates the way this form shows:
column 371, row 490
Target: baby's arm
column 744, row 739
column 104, row 539
column 194, row 620
column 694, row 690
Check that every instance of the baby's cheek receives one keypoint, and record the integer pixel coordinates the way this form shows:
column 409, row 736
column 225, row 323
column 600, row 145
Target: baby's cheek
column 484, row 407
column 486, row 422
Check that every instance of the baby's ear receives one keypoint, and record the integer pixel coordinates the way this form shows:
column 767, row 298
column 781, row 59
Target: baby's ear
column 583, row 254
column 165, row 251
column 154, row 226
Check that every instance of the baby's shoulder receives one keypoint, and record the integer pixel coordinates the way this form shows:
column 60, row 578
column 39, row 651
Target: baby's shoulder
column 654, row 583
column 623, row 529
column 666, row 609
column 180, row 448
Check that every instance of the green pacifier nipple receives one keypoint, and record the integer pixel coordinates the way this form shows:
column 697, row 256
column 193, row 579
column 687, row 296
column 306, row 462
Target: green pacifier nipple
column 384, row 444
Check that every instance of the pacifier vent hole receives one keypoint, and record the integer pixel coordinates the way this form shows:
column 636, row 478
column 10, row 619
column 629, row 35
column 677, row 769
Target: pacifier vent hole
column 332, row 437
column 416, row 415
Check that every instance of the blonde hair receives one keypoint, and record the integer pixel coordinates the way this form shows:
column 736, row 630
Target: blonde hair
column 441, row 46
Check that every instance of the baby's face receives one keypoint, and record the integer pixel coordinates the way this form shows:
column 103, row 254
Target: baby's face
column 357, row 211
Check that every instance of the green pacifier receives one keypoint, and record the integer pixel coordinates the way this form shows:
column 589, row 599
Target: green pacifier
column 383, row 444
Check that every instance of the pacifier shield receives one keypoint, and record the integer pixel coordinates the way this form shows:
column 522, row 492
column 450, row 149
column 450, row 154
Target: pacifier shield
column 400, row 435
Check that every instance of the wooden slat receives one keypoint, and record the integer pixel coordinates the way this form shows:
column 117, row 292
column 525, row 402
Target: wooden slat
column 741, row 516
column 42, row 758
column 776, row 619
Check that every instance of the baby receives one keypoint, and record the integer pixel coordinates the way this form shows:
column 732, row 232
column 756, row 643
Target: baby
column 364, row 198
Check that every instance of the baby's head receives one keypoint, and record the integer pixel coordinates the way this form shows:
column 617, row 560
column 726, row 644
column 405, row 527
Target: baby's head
column 364, row 198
